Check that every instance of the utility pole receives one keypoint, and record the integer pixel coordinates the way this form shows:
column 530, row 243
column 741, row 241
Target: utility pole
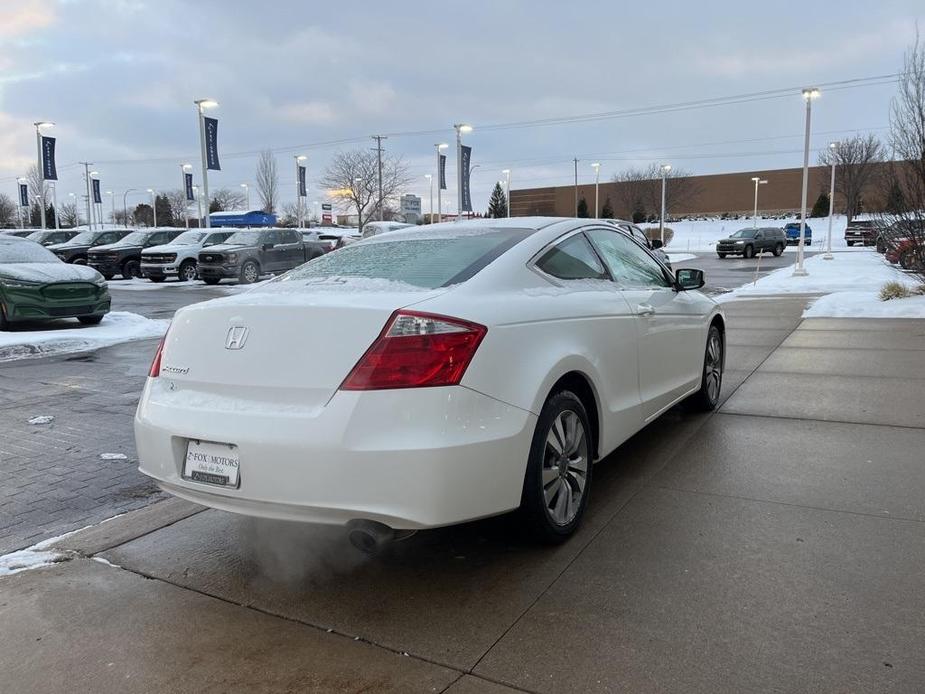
column 87, row 165
column 576, row 186
column 379, row 139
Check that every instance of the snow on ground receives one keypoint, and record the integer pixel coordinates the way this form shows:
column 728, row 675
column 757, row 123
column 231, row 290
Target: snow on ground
column 865, row 305
column 700, row 236
column 143, row 285
column 67, row 336
column 680, row 257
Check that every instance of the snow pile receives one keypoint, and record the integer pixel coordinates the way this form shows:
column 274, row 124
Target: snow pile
column 26, row 559
column 865, row 305
column 64, row 337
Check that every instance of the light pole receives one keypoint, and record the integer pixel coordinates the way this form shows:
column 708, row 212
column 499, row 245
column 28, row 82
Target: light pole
column 833, row 146
column 112, row 205
column 430, row 180
column 758, row 181
column 200, row 105
column 438, row 147
column 299, row 158
column 247, row 197
column 460, row 129
column 809, row 94
column 356, row 184
column 76, row 213
column 125, row 204
column 38, row 145
column 153, row 205
column 507, row 189
column 54, row 203
column 665, row 169
column 597, row 182
column 198, row 207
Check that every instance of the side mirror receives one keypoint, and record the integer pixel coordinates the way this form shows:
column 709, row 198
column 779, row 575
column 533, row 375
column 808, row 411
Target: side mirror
column 689, row 279
column 656, row 243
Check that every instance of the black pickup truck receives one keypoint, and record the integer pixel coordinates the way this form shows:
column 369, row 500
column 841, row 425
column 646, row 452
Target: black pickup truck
column 124, row 256
column 75, row 250
column 250, row 253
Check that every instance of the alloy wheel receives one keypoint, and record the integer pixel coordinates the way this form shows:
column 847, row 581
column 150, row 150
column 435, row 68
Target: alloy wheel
column 565, row 467
column 713, row 366
column 188, row 273
column 250, row 273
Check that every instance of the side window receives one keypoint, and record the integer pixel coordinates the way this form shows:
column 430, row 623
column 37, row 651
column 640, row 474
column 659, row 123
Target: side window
column 572, row 259
column 630, row 265
column 289, row 237
column 103, row 239
column 270, row 237
column 213, row 239
column 640, row 236
column 156, row 239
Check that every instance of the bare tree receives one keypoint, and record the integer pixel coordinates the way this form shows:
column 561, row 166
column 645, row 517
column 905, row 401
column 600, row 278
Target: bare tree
column 225, row 199
column 8, row 211
column 120, row 217
column 855, row 160
column 640, row 190
column 352, row 178
column 268, row 181
column 179, row 206
column 631, row 194
column 36, row 185
column 904, row 220
column 69, row 215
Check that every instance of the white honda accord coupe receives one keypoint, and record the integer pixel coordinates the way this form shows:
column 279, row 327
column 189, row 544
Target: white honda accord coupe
column 429, row 376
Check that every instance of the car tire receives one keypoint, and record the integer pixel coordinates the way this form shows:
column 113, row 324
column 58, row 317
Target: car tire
column 250, row 272
column 187, row 272
column 90, row 320
column 4, row 323
column 79, row 261
column 211, row 280
column 721, row 255
column 778, row 249
column 557, row 482
column 156, row 278
column 711, row 379
column 106, row 275
column 748, row 252
column 131, row 269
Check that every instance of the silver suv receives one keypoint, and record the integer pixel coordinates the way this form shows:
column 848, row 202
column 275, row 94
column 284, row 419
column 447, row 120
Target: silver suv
column 179, row 257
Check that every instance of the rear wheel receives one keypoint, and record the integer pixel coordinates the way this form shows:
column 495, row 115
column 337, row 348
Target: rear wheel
column 250, row 272
column 79, row 261
column 721, row 255
column 558, row 477
column 711, row 380
column 748, row 252
column 131, row 269
column 106, row 275
column 3, row 321
column 156, row 278
column 187, row 271
column 909, row 260
column 211, row 280
column 90, row 320
column 778, row 249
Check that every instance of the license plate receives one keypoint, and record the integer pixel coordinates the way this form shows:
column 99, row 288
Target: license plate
column 213, row 463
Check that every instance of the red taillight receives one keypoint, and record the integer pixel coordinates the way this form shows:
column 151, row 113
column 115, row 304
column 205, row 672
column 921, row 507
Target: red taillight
column 417, row 350
column 155, row 370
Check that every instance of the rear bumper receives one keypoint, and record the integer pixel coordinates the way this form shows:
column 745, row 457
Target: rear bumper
column 807, row 241
column 415, row 458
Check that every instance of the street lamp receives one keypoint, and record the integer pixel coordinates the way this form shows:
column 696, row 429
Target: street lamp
column 153, row 205
column 507, row 189
column 440, row 178
column 665, row 169
column 125, row 205
column 54, row 203
column 833, row 146
column 597, row 180
column 198, row 207
column 74, row 203
column 247, row 197
column 200, row 105
column 758, row 181
column 299, row 158
column 38, row 144
column 461, row 129
column 809, row 94
column 430, row 180
column 112, row 205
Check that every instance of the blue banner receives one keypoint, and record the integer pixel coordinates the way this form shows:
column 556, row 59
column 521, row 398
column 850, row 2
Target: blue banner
column 211, row 128
column 49, row 172
column 442, row 172
column 188, row 180
column 24, row 195
column 466, row 160
column 97, row 198
column 303, row 193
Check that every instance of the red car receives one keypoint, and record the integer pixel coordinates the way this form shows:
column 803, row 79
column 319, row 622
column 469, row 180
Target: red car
column 909, row 254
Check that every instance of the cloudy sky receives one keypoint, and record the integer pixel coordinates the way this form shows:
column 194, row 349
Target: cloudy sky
column 118, row 77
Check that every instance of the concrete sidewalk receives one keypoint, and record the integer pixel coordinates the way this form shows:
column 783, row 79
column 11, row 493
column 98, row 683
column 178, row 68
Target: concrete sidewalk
column 776, row 544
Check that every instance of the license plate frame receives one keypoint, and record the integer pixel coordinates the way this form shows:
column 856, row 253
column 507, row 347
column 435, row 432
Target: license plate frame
column 211, row 462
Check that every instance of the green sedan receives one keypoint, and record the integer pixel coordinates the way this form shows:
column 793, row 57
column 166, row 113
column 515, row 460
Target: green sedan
column 36, row 285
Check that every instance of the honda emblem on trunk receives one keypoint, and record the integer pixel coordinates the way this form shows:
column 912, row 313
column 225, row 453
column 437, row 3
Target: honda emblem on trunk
column 236, row 337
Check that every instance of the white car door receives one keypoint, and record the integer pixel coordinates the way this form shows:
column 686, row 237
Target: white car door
column 670, row 323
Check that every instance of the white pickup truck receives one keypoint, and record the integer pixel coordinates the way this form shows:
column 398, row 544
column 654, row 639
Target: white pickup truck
column 179, row 257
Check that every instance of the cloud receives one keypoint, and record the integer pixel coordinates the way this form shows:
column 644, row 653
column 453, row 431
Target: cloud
column 372, row 97
column 22, row 17
column 308, row 112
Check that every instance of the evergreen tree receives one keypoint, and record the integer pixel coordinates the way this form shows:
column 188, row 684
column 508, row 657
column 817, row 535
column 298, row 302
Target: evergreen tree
column 143, row 215
column 583, row 208
column 497, row 204
column 895, row 200
column 607, row 209
column 821, row 207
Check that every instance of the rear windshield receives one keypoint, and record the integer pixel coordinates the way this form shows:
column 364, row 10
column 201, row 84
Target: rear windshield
column 744, row 234
column 26, row 252
column 419, row 260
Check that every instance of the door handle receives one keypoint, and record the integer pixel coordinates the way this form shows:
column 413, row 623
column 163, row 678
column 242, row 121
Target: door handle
column 645, row 310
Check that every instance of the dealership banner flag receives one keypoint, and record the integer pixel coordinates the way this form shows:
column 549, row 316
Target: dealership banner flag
column 97, row 198
column 442, row 172
column 211, row 127
column 302, row 189
column 466, row 197
column 188, row 180
column 49, row 172
column 24, row 195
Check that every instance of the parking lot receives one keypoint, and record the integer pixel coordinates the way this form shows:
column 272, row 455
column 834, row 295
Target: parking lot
column 773, row 545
